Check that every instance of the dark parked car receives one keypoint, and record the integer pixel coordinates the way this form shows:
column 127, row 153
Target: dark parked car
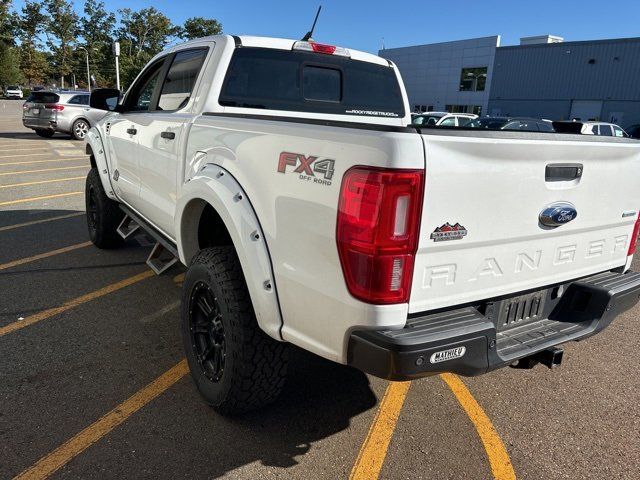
column 633, row 131
column 511, row 123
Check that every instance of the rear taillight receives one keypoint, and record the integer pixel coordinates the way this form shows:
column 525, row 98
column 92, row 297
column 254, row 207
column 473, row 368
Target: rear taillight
column 54, row 106
column 377, row 232
column 634, row 237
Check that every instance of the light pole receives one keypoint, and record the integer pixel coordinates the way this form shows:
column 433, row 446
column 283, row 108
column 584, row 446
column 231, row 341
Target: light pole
column 475, row 77
column 116, row 54
column 88, row 74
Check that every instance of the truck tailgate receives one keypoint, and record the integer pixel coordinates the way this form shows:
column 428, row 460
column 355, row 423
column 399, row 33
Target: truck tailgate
column 480, row 233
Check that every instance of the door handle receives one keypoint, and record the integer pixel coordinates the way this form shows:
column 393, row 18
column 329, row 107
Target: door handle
column 132, row 131
column 168, row 135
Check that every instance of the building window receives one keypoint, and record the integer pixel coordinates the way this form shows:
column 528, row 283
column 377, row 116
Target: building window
column 473, row 79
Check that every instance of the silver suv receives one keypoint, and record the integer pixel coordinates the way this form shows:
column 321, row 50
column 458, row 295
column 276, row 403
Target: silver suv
column 48, row 112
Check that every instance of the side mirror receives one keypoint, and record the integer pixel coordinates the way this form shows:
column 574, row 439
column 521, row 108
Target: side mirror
column 105, row 99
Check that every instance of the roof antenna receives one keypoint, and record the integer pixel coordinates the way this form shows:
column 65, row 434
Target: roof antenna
column 307, row 37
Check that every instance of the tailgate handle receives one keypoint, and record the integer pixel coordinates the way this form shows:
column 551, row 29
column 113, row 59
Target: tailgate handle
column 562, row 172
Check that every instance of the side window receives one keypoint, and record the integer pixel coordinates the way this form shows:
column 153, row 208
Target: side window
column 418, row 121
column 75, row 100
column 141, row 94
column 448, row 122
column 618, row 132
column 181, row 78
column 545, row 127
column 606, row 130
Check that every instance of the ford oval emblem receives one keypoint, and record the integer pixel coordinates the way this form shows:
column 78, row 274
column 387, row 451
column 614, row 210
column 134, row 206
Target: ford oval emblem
column 558, row 214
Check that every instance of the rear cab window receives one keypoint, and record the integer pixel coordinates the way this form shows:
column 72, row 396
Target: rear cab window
column 269, row 79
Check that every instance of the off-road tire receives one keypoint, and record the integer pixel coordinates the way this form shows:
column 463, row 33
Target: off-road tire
column 254, row 364
column 41, row 132
column 103, row 214
column 79, row 129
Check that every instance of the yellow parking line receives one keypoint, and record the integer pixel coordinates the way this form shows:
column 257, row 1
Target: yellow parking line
column 43, row 170
column 40, row 256
column 374, row 449
column 65, row 159
column 21, row 147
column 36, row 222
column 24, row 155
column 50, row 312
column 496, row 451
column 42, row 181
column 34, row 199
column 48, row 464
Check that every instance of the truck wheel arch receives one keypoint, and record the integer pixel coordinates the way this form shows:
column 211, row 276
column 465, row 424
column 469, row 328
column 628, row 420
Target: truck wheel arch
column 214, row 210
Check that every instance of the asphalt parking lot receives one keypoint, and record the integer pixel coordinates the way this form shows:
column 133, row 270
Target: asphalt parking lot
column 93, row 383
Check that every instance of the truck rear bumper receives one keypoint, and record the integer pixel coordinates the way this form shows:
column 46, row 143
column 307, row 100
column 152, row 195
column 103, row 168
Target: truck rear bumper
column 472, row 340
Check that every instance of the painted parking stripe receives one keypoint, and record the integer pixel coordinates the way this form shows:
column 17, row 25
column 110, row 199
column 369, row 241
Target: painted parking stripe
column 40, row 256
column 36, row 199
column 374, row 449
column 44, row 161
column 43, row 170
column 24, row 155
column 4, row 149
column 36, row 222
column 50, row 312
column 501, row 466
column 48, row 464
column 40, row 182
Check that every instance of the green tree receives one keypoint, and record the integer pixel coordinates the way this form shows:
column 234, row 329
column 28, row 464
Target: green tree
column 198, row 27
column 33, row 62
column 142, row 34
column 61, row 32
column 7, row 25
column 97, row 31
column 10, row 73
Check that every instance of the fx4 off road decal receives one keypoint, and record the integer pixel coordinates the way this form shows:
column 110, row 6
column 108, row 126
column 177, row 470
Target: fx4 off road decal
column 310, row 169
column 448, row 232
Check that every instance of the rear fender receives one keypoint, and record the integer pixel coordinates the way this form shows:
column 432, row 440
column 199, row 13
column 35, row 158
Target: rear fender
column 215, row 186
column 95, row 149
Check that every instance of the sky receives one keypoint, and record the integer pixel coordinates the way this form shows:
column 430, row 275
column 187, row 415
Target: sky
column 362, row 25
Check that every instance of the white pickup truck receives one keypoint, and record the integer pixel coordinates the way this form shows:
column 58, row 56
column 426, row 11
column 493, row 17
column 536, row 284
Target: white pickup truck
column 284, row 175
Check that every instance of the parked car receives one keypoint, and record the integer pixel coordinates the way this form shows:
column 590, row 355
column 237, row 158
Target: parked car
column 67, row 112
column 591, row 128
column 444, row 119
column 282, row 173
column 511, row 123
column 633, row 131
column 13, row 92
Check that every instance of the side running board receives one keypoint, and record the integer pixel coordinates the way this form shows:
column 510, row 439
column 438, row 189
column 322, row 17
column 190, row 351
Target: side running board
column 164, row 253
